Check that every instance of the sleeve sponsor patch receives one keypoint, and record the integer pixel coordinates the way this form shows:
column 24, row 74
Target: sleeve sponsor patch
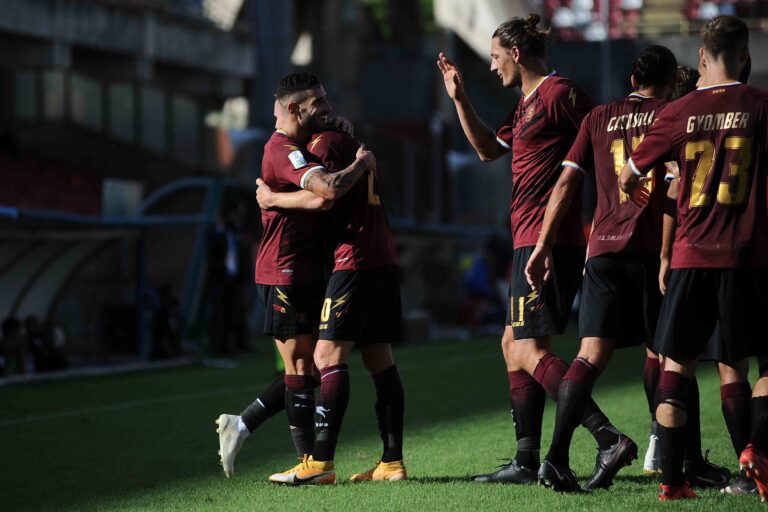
column 297, row 159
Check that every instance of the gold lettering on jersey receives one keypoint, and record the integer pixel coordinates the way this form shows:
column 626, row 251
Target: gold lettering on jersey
column 633, row 120
column 721, row 121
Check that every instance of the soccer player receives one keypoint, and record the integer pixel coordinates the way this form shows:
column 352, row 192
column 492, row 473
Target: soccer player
column 289, row 263
column 361, row 307
column 539, row 133
column 718, row 135
column 735, row 390
column 699, row 471
column 620, row 296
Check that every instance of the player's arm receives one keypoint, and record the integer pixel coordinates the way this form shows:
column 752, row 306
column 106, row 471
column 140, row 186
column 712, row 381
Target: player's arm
column 656, row 145
column 669, row 226
column 299, row 200
column 539, row 264
column 482, row 138
column 333, row 186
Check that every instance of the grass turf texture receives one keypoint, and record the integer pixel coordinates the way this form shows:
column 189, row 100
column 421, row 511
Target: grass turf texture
column 147, row 440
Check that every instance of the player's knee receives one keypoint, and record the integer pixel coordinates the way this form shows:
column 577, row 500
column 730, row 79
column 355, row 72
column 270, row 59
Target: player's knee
column 508, row 344
column 670, row 415
column 673, row 393
column 761, row 387
column 303, row 365
column 377, row 358
column 596, row 352
column 326, row 356
column 730, row 374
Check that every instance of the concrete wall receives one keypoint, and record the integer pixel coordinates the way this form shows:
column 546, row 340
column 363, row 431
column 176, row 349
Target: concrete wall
column 141, row 38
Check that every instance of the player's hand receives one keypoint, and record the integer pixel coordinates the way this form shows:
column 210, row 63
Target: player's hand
column 454, row 83
column 343, row 124
column 367, row 157
column 539, row 267
column 640, row 195
column 264, row 195
column 663, row 275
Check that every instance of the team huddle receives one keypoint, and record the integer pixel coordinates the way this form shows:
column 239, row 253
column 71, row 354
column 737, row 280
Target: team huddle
column 676, row 259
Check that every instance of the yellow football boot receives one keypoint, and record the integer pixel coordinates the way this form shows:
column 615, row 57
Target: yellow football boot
column 307, row 472
column 390, row 471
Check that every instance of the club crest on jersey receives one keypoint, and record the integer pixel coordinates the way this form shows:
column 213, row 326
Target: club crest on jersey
column 297, row 159
column 529, row 113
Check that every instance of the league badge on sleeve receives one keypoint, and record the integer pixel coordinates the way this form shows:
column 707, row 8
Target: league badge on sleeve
column 297, row 159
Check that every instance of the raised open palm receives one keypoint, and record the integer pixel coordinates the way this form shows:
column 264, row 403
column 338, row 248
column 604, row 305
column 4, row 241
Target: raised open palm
column 454, row 83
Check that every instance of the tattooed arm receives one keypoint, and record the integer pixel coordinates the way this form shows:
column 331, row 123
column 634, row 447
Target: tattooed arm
column 333, row 186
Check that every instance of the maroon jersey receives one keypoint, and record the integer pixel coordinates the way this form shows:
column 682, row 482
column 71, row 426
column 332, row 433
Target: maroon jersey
column 290, row 251
column 605, row 141
column 358, row 229
column 539, row 132
column 719, row 139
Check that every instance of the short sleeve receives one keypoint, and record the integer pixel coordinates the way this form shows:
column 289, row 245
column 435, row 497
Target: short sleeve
column 657, row 144
column 293, row 164
column 504, row 132
column 334, row 150
column 568, row 108
column 581, row 154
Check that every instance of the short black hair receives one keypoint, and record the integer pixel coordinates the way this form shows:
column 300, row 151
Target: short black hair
column 295, row 82
column 656, row 66
column 522, row 32
column 685, row 83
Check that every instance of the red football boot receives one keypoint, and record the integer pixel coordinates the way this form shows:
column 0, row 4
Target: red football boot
column 755, row 465
column 672, row 492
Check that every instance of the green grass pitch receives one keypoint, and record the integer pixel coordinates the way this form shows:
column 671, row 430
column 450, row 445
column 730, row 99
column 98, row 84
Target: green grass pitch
column 147, row 441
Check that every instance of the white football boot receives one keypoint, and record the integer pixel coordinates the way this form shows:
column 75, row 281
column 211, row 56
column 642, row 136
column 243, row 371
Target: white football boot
column 230, row 441
column 652, row 462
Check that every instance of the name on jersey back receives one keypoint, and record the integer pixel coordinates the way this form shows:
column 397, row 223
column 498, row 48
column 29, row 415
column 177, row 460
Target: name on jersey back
column 721, row 121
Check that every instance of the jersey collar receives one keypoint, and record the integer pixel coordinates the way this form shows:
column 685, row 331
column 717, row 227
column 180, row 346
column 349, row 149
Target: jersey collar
column 717, row 85
column 278, row 130
column 638, row 95
column 526, row 96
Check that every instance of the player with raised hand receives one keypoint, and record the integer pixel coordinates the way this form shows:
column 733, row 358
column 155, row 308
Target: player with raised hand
column 718, row 135
column 289, row 263
column 539, row 133
column 620, row 295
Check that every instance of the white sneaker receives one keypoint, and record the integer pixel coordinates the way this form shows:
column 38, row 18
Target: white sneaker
column 230, row 442
column 652, row 463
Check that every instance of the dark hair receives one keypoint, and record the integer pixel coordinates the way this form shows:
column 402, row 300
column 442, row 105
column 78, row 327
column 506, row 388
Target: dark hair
column 522, row 32
column 685, row 82
column 296, row 82
column 725, row 35
column 746, row 70
column 656, row 66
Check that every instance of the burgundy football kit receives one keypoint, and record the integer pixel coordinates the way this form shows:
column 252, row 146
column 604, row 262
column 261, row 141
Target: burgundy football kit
column 362, row 301
column 620, row 293
column 718, row 136
column 289, row 262
column 539, row 133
